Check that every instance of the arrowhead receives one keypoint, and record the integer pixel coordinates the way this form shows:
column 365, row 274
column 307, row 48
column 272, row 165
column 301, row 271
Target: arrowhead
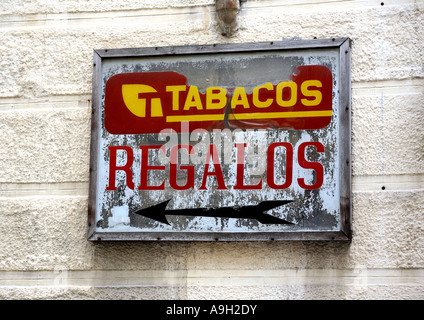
column 156, row 212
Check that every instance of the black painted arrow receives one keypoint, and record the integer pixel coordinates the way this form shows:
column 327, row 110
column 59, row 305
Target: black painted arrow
column 158, row 212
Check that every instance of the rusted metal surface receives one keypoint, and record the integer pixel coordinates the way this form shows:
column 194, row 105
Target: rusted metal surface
column 224, row 164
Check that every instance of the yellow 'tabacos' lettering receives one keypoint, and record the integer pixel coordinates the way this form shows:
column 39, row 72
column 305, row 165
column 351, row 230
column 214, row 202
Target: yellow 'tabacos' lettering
column 258, row 103
column 311, row 93
column 137, row 106
column 175, row 95
column 293, row 93
column 193, row 99
column 239, row 98
column 216, row 100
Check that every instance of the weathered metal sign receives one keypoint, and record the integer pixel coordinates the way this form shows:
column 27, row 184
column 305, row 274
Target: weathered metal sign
column 222, row 142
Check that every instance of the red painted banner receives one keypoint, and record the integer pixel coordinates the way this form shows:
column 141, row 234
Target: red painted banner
column 148, row 102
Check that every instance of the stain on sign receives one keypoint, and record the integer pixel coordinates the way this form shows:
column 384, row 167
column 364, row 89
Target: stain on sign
column 148, row 102
column 223, row 142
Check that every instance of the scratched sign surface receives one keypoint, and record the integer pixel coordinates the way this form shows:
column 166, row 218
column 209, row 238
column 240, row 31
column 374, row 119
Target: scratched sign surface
column 234, row 145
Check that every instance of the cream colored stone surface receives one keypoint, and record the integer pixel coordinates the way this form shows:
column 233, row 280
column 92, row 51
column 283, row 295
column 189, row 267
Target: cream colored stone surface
column 44, row 7
column 44, row 65
column 46, row 56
